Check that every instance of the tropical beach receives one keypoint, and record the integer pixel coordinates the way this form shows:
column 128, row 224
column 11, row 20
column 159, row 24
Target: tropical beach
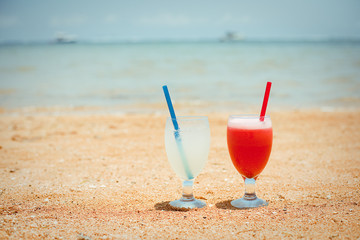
column 88, row 151
column 82, row 158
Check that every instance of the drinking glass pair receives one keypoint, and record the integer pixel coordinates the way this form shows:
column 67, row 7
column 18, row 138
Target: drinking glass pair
column 249, row 140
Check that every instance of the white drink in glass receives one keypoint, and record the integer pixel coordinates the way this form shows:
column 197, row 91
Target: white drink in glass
column 187, row 151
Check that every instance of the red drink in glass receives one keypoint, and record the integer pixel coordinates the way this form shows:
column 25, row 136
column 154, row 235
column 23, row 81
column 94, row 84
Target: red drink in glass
column 249, row 141
column 249, row 149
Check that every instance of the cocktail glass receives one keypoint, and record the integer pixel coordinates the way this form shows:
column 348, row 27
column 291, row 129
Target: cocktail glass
column 187, row 150
column 249, row 142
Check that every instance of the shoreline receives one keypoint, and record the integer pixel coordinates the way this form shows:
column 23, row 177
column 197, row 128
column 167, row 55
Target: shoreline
column 161, row 109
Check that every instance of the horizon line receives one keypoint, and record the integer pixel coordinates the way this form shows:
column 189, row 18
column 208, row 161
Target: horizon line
column 184, row 40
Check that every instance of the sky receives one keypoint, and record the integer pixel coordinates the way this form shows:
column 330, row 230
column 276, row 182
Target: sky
column 109, row 20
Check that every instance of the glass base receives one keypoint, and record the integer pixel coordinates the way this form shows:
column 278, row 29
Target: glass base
column 254, row 203
column 186, row 204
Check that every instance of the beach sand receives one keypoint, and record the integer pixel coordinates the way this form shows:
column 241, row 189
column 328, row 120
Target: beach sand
column 106, row 176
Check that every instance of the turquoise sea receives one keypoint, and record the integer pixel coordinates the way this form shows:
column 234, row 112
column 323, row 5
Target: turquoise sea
column 215, row 75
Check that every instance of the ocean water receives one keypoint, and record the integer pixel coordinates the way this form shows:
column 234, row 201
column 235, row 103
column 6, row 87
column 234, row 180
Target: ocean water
column 208, row 74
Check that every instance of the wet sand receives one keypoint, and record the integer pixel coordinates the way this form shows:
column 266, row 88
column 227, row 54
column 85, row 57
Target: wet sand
column 106, row 176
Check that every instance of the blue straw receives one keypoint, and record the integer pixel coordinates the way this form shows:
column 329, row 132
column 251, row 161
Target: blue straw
column 176, row 133
column 171, row 108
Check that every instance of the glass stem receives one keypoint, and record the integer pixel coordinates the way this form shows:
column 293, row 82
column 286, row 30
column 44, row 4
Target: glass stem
column 187, row 194
column 249, row 189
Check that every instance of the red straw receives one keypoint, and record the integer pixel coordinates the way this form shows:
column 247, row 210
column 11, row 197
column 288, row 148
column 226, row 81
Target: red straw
column 265, row 102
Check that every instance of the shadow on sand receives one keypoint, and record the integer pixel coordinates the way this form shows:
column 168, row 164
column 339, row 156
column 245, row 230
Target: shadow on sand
column 165, row 206
column 226, row 205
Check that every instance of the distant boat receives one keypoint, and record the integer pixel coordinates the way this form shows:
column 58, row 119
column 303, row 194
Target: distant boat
column 63, row 38
column 232, row 37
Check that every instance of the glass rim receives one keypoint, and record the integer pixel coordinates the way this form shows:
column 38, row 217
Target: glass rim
column 248, row 116
column 189, row 117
